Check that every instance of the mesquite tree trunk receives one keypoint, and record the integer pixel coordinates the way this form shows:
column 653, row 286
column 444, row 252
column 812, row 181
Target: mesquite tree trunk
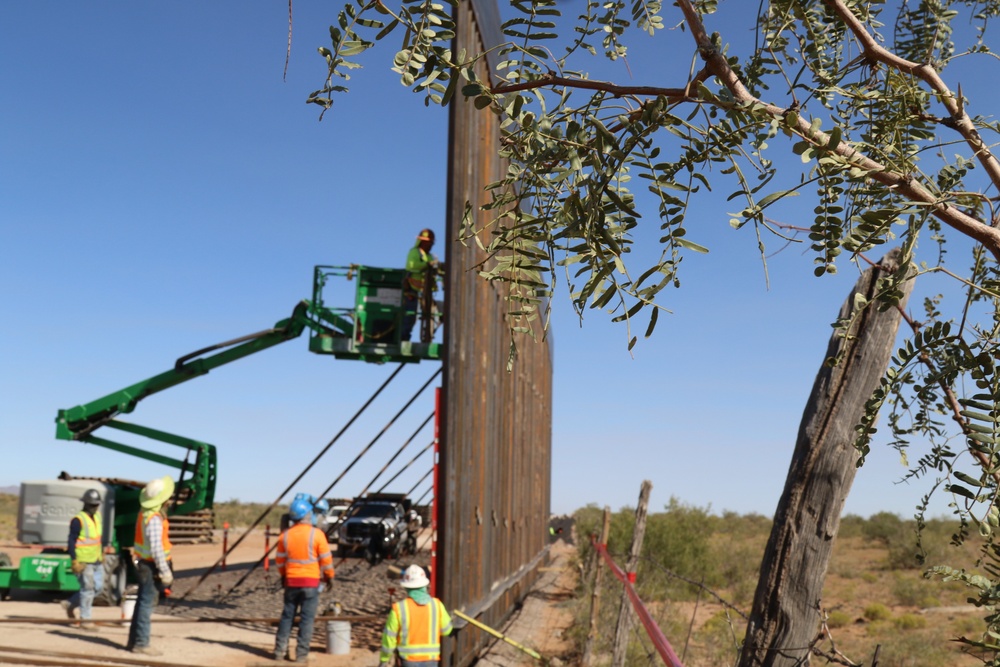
column 785, row 617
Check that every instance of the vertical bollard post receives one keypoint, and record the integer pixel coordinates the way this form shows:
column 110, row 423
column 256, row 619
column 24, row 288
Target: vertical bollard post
column 267, row 546
column 225, row 543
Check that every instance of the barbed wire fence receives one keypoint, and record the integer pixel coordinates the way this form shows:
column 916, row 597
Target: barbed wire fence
column 705, row 635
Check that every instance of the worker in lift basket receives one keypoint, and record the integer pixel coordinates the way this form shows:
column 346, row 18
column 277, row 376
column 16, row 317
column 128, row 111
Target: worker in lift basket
column 154, row 568
column 418, row 261
column 84, row 548
column 415, row 625
column 304, row 562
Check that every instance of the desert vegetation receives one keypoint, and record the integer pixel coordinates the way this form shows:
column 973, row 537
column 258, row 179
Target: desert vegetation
column 699, row 570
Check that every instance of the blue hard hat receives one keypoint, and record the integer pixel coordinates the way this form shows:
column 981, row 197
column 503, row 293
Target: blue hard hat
column 321, row 506
column 299, row 509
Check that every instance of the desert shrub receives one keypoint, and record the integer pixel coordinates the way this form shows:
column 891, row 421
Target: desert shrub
column 914, row 650
column 838, row 619
column 722, row 636
column 908, row 550
column 243, row 515
column 851, row 525
column 913, row 591
column 909, row 622
column 882, row 527
column 869, row 577
column 967, row 626
column 676, row 542
column 877, row 611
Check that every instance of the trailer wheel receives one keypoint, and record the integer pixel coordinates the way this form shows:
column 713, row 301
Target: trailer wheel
column 5, row 560
column 113, row 591
column 4, row 593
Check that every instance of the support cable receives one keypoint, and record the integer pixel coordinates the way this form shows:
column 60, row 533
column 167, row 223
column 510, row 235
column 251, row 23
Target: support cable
column 388, row 463
column 404, row 468
column 357, row 458
column 357, row 414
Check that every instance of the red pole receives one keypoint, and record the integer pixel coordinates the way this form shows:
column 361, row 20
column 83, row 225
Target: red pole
column 225, row 543
column 267, row 546
column 436, row 482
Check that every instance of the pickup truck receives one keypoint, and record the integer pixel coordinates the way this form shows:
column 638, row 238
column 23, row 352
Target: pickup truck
column 363, row 519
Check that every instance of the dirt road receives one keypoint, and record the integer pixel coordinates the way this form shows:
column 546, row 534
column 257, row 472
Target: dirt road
column 189, row 629
column 217, row 623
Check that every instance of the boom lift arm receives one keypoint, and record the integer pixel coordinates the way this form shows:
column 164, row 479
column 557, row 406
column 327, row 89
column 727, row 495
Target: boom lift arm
column 368, row 332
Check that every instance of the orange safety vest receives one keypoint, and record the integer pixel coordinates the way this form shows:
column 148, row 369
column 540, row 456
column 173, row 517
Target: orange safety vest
column 139, row 545
column 88, row 543
column 303, row 553
column 420, row 629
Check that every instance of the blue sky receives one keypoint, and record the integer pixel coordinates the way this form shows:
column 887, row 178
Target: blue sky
column 163, row 188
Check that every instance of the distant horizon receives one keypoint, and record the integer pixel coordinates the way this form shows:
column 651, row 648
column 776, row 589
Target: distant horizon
column 15, row 490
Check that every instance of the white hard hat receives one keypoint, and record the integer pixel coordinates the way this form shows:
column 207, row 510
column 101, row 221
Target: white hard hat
column 414, row 577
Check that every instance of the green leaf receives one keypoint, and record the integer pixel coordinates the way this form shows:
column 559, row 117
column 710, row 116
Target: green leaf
column 775, row 196
column 691, row 245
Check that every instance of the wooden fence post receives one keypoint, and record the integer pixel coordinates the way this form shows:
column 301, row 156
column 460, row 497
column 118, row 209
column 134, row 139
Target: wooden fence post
column 595, row 598
column 625, row 612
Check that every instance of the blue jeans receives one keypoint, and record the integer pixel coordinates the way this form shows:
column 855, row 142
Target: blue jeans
column 146, row 600
column 304, row 601
column 91, row 580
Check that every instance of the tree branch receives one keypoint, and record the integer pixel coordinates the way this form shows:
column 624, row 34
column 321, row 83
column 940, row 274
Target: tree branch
column 959, row 119
column 907, row 187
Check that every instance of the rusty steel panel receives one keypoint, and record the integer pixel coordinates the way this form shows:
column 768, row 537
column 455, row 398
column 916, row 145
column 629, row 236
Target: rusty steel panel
column 496, row 429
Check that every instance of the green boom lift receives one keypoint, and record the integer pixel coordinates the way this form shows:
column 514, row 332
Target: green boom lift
column 370, row 331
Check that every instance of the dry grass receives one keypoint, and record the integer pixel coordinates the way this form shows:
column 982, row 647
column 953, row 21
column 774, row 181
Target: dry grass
column 873, row 598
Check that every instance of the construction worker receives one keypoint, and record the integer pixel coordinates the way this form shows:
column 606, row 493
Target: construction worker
column 304, row 563
column 85, row 552
column 418, row 261
column 154, row 568
column 415, row 625
column 414, row 522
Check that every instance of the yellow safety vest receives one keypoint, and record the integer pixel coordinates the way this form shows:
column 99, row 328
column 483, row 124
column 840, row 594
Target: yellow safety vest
column 88, row 543
column 420, row 629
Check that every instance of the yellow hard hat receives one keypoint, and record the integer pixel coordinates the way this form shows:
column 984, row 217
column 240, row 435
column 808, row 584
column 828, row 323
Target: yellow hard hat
column 426, row 235
column 156, row 493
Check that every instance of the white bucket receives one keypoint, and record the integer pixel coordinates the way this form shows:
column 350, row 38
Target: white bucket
column 338, row 637
column 128, row 606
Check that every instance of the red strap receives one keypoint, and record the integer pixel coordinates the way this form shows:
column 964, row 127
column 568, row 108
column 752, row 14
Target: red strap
column 659, row 640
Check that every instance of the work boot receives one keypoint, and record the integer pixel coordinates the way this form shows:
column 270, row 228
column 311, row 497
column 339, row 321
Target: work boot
column 280, row 653
column 146, row 650
column 67, row 608
column 88, row 627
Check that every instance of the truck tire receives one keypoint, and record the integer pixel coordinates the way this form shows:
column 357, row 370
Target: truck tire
column 113, row 591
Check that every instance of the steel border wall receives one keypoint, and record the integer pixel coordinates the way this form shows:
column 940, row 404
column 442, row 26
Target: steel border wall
column 496, row 435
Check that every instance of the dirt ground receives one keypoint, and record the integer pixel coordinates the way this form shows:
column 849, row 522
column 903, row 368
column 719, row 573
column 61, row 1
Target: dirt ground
column 215, row 622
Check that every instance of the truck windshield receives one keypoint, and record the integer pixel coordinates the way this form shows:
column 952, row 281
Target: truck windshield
column 374, row 509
